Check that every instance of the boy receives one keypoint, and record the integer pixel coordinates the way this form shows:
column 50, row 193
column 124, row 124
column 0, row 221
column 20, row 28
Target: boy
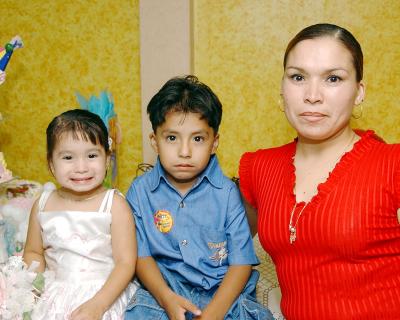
column 195, row 251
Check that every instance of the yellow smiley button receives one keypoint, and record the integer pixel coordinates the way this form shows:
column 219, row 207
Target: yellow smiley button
column 163, row 221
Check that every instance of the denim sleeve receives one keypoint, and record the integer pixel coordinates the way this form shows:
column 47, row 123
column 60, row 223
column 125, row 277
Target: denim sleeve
column 240, row 242
column 142, row 242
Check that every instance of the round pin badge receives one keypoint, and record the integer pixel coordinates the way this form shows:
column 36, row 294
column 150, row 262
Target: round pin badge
column 163, row 221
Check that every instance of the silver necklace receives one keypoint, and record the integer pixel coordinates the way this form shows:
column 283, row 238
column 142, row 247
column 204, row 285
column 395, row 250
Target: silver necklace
column 293, row 227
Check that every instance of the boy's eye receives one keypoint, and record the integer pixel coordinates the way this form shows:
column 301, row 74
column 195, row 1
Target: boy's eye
column 171, row 138
column 66, row 157
column 297, row 77
column 92, row 155
column 198, row 139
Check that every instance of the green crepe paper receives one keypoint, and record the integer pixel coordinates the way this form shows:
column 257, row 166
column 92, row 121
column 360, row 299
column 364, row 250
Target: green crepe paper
column 38, row 283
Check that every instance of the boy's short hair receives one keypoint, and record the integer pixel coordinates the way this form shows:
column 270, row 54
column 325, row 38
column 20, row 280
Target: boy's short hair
column 185, row 94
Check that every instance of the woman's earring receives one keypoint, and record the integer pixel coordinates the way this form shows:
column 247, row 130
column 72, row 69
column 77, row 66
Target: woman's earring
column 359, row 115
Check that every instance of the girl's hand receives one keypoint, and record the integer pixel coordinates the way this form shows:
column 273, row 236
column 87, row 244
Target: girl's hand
column 90, row 310
column 176, row 306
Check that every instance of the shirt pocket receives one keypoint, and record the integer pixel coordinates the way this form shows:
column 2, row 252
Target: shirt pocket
column 205, row 248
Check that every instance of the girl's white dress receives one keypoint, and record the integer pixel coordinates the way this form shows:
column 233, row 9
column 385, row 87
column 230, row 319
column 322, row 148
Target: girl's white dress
column 78, row 250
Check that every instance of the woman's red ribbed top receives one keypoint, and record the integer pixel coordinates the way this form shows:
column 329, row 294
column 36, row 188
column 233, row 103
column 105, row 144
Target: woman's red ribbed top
column 345, row 262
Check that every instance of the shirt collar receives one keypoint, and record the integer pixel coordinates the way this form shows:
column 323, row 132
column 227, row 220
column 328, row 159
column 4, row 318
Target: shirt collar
column 212, row 173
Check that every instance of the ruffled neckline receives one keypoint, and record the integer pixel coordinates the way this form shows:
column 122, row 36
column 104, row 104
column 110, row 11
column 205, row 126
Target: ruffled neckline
column 345, row 164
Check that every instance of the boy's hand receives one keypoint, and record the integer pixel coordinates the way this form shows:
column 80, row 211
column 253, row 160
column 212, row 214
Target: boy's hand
column 176, row 306
column 208, row 315
column 90, row 310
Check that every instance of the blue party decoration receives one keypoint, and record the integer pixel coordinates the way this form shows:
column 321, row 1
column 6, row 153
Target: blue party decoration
column 103, row 106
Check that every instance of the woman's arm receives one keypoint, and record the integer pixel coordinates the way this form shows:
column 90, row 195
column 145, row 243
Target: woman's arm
column 231, row 286
column 33, row 250
column 124, row 253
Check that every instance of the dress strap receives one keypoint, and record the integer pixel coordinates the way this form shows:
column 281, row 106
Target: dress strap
column 107, row 201
column 43, row 199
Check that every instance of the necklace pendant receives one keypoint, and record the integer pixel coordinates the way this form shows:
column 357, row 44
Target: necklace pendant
column 292, row 226
column 292, row 237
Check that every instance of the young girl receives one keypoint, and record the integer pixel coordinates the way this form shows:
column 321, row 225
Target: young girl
column 82, row 232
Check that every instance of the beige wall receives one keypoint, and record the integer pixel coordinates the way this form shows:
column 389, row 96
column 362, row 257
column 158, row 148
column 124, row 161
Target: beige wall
column 165, row 52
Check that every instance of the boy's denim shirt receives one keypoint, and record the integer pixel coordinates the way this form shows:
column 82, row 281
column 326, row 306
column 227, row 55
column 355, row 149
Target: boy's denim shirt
column 197, row 235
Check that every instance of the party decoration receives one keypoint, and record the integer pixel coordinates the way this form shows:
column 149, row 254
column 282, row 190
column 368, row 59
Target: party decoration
column 8, row 50
column 5, row 174
column 20, row 286
column 16, row 200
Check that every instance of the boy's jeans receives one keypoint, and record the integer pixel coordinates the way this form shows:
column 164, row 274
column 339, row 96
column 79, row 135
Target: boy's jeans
column 143, row 306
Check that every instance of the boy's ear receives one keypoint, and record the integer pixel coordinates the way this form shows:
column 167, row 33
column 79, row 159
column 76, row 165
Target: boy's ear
column 215, row 144
column 153, row 142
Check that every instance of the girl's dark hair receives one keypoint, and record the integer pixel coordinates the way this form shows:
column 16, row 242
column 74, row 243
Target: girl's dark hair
column 185, row 94
column 82, row 124
column 330, row 30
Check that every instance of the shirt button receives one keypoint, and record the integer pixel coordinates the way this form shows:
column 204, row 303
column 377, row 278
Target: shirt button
column 182, row 204
column 184, row 242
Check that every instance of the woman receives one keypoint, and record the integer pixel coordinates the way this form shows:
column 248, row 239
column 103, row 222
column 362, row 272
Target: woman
column 326, row 204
